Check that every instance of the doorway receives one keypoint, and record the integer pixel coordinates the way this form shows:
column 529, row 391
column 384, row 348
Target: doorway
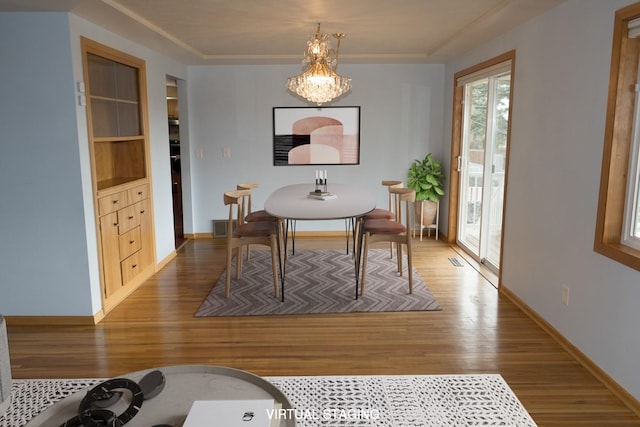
column 480, row 152
column 173, row 113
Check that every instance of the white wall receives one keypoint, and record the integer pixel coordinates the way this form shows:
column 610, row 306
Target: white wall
column 560, row 96
column 231, row 106
column 48, row 252
column 44, row 259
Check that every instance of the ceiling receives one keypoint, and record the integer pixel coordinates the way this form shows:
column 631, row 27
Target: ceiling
column 276, row 31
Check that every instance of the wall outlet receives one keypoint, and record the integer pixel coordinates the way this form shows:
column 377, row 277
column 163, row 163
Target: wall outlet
column 565, row 295
column 199, row 153
column 226, row 152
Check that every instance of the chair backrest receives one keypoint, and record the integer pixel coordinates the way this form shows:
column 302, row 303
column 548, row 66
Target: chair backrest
column 408, row 196
column 394, row 201
column 237, row 198
column 248, row 186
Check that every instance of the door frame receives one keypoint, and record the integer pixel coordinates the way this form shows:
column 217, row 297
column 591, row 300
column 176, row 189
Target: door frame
column 456, row 148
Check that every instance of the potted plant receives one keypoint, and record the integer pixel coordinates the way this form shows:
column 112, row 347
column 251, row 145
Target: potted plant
column 426, row 178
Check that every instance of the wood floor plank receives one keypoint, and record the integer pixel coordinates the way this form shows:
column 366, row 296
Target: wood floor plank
column 478, row 331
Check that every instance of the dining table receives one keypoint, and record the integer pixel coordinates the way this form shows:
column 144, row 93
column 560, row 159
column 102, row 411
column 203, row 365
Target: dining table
column 301, row 202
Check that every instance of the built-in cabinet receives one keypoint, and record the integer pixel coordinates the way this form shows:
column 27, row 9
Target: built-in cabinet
column 115, row 95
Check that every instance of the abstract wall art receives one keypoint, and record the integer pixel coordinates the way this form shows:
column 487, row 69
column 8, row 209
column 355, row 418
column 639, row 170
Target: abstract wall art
column 316, row 136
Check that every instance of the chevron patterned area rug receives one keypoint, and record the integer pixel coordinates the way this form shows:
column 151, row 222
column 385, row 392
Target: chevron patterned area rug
column 318, row 281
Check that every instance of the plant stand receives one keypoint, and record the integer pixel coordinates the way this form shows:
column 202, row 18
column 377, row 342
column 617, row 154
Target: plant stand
column 425, row 221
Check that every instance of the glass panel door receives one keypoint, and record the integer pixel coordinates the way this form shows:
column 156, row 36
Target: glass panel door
column 472, row 173
column 482, row 167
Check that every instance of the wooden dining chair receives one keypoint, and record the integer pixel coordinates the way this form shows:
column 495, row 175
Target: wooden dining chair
column 250, row 215
column 380, row 213
column 248, row 233
column 389, row 230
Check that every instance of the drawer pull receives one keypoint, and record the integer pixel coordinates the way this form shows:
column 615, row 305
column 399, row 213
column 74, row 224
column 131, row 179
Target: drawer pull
column 139, row 193
column 142, row 211
column 134, row 265
column 115, row 224
column 131, row 217
column 131, row 242
column 115, row 202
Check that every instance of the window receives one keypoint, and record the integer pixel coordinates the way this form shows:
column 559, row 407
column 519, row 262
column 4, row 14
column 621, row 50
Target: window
column 631, row 231
column 618, row 221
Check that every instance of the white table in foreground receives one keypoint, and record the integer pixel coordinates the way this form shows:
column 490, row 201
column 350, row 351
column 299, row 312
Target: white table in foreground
column 291, row 202
column 184, row 385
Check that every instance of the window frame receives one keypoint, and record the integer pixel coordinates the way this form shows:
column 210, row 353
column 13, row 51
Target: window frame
column 618, row 143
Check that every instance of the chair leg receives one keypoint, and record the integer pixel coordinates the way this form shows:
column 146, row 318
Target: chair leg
column 365, row 255
column 399, row 256
column 227, row 280
column 239, row 251
column 274, row 260
column 409, row 266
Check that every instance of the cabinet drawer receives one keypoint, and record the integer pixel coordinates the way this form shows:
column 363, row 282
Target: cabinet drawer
column 130, row 268
column 129, row 243
column 112, row 202
column 138, row 193
column 128, row 218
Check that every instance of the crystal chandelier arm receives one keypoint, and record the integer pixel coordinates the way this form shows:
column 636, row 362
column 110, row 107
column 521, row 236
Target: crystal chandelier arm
column 339, row 36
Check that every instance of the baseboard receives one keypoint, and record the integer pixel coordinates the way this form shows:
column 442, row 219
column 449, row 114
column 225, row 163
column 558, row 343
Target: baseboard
column 53, row 320
column 194, row 236
column 627, row 398
column 166, row 260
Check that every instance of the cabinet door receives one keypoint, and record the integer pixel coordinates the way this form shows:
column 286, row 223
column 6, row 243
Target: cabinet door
column 146, row 254
column 110, row 253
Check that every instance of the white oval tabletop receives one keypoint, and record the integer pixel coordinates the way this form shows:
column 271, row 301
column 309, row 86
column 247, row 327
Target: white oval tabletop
column 184, row 385
column 292, row 202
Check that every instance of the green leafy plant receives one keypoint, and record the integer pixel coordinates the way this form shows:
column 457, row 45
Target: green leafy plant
column 426, row 178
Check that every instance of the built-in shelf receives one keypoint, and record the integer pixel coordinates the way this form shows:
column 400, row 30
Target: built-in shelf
column 119, row 147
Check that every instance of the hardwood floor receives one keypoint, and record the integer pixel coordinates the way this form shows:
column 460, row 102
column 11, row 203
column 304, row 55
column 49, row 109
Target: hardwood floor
column 478, row 331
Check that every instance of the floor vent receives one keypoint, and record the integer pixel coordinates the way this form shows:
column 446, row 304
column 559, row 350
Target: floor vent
column 220, row 227
column 455, row 262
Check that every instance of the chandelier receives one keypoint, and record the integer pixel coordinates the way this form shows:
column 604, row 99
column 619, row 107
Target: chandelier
column 320, row 83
